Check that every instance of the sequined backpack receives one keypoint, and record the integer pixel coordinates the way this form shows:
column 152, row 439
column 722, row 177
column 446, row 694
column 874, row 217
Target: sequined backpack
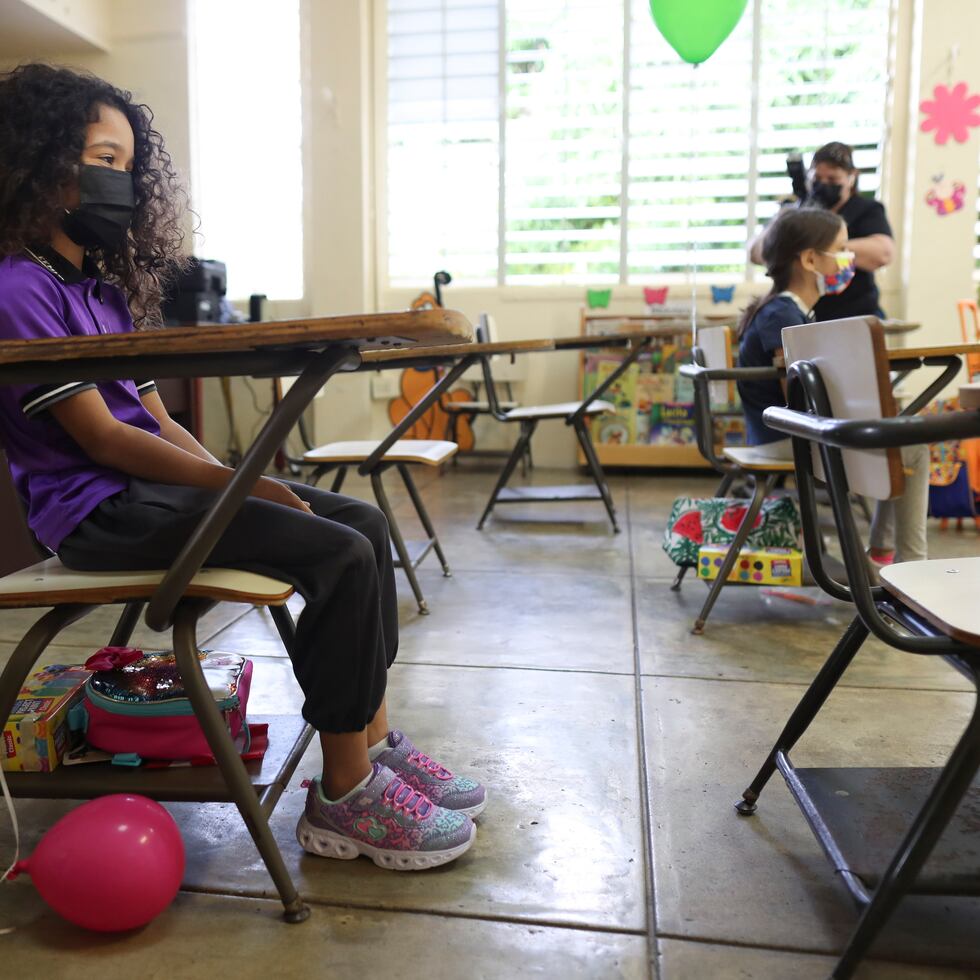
column 135, row 707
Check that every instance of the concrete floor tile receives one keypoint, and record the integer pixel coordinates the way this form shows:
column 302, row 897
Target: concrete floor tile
column 522, row 619
column 208, row 935
column 752, row 637
column 764, row 880
column 698, row 961
column 561, row 839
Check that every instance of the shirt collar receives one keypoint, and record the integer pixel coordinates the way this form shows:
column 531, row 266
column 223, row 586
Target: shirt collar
column 60, row 267
column 807, row 312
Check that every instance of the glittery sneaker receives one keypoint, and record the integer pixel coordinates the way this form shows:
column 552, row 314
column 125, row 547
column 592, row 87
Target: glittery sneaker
column 393, row 824
column 445, row 789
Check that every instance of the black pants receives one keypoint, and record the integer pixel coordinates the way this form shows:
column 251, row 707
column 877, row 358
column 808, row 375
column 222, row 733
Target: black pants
column 337, row 558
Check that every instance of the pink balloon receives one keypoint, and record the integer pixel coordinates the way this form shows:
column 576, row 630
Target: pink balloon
column 111, row 864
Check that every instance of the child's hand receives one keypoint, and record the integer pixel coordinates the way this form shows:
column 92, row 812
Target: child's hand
column 279, row 493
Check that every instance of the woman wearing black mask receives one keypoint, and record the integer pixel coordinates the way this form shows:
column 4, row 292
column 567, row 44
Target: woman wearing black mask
column 832, row 184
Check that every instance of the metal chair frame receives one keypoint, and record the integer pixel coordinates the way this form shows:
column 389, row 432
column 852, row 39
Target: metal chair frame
column 578, row 420
column 762, row 483
column 809, row 420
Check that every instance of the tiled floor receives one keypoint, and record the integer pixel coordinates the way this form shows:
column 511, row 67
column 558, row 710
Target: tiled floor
column 558, row 666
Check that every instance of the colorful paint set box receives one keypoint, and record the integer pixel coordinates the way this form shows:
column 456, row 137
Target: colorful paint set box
column 765, row 566
column 36, row 735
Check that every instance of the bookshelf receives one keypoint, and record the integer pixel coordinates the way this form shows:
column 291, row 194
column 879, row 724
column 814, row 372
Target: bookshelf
column 654, row 422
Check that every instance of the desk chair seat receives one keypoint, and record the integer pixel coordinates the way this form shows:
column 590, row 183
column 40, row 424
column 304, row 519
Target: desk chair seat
column 888, row 832
column 474, row 408
column 559, row 410
column 49, row 583
column 405, row 452
column 943, row 591
column 748, row 458
column 427, row 452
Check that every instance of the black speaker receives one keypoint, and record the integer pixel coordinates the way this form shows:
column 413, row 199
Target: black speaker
column 196, row 295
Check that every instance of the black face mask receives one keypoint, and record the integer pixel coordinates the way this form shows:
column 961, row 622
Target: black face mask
column 825, row 195
column 105, row 212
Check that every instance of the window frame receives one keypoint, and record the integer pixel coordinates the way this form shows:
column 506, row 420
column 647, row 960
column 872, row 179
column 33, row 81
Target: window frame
column 627, row 287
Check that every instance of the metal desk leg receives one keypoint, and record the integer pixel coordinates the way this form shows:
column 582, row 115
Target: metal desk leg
column 229, row 761
column 595, row 468
column 804, row 713
column 423, row 515
column 419, row 409
column 127, row 623
column 520, row 448
column 401, row 549
column 762, row 488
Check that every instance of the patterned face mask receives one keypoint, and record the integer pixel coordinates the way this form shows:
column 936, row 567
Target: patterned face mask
column 841, row 279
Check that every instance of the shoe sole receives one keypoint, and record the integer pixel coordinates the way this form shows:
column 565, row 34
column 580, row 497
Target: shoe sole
column 328, row 843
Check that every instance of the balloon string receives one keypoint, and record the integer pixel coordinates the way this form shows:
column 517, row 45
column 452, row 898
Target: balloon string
column 13, row 821
column 692, row 267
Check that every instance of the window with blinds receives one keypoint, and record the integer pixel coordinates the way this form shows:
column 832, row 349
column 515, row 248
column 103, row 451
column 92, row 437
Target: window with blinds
column 563, row 141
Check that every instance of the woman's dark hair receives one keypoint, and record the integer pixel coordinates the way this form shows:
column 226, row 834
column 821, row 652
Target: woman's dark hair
column 43, row 114
column 792, row 231
column 837, row 155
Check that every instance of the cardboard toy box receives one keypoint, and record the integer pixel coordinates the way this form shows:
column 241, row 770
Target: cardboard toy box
column 765, row 566
column 36, row 736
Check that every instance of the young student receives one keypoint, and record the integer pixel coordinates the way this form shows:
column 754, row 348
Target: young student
column 806, row 256
column 90, row 224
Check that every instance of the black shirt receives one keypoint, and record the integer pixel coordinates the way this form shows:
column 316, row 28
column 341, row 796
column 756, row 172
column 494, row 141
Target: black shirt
column 758, row 346
column 863, row 217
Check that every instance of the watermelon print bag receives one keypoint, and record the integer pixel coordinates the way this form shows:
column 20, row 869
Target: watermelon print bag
column 696, row 521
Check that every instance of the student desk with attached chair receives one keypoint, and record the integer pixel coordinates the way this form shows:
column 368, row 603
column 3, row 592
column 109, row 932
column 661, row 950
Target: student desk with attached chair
column 887, row 832
column 313, row 349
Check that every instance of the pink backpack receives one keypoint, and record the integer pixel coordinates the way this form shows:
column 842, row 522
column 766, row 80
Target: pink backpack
column 135, row 706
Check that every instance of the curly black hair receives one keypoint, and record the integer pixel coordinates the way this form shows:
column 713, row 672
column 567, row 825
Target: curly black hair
column 43, row 114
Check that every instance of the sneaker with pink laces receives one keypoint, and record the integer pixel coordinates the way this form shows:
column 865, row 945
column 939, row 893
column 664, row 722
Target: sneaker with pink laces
column 387, row 820
column 444, row 788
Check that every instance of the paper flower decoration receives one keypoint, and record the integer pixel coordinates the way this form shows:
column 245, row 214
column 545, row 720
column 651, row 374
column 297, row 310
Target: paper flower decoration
column 951, row 112
column 655, row 297
column 722, row 294
column 598, row 298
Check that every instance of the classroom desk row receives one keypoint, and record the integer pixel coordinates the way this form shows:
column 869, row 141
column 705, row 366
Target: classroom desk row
column 314, row 350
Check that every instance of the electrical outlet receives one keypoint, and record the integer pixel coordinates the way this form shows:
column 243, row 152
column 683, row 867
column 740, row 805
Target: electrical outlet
column 384, row 385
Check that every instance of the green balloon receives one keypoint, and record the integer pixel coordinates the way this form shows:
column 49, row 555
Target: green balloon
column 695, row 29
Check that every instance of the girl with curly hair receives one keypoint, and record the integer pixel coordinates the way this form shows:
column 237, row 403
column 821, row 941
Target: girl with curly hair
column 90, row 227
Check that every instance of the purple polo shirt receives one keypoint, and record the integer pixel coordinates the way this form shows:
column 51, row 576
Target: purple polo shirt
column 43, row 295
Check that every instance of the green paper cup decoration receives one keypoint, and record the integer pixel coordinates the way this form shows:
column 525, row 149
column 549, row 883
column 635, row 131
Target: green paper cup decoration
column 598, row 299
column 695, row 29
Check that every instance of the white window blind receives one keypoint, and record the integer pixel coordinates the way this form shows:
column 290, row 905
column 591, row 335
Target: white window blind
column 443, row 139
column 246, row 143
column 563, row 140
column 620, row 162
